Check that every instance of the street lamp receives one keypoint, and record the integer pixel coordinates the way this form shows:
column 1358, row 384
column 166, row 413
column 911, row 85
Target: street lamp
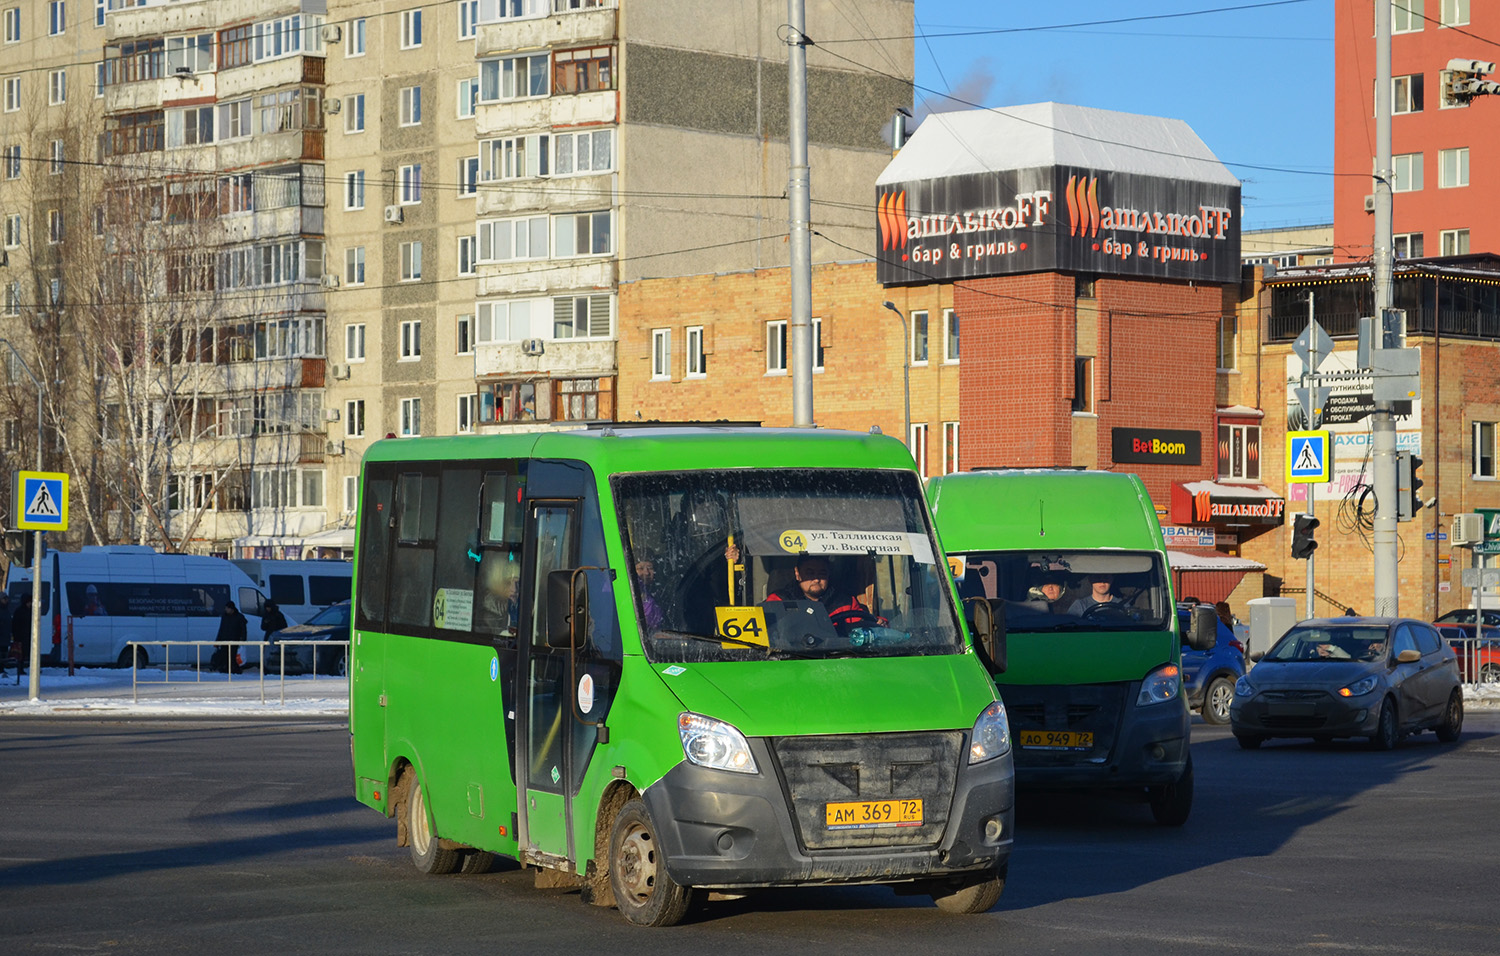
column 905, row 370
column 33, row 676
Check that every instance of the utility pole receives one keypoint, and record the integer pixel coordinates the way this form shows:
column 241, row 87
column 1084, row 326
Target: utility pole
column 1309, row 509
column 34, row 664
column 798, row 194
column 1383, row 426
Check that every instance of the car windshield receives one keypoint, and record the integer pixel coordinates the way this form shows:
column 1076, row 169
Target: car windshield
column 1337, row 642
column 335, row 616
column 1069, row 590
column 787, row 563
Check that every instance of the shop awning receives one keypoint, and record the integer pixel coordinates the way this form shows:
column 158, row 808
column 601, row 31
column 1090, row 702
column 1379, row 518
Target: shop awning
column 1215, row 502
column 1208, row 577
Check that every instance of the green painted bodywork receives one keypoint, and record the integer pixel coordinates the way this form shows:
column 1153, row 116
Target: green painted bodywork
column 443, row 714
column 1061, row 510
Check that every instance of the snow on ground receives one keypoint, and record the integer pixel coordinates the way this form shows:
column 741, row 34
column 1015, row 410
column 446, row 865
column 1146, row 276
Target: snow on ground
column 100, row 691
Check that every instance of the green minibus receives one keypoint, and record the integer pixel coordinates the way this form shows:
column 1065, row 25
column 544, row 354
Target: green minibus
column 1074, row 564
column 654, row 661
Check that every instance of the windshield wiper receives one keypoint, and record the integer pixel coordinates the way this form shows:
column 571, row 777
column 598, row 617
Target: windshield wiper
column 714, row 639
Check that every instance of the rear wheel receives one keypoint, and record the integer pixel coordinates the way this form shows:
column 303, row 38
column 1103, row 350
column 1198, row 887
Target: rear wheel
column 1216, row 701
column 975, row 896
column 476, row 861
column 141, row 660
column 1386, row 733
column 1249, row 741
column 426, row 852
column 1489, row 674
column 644, row 892
column 1453, row 718
column 1171, row 804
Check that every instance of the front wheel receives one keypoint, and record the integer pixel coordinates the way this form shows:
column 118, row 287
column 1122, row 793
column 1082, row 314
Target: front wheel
column 644, row 892
column 1216, row 701
column 976, row 896
column 1489, row 674
column 1171, row 803
column 426, row 851
column 1453, row 718
column 1386, row 734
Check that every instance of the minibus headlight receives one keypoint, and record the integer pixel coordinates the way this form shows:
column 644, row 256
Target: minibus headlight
column 991, row 736
column 714, row 744
column 1160, row 686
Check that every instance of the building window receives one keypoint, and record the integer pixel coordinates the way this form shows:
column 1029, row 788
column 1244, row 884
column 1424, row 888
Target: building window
column 411, row 340
column 1406, row 16
column 507, row 240
column 354, row 40
column 58, row 160
column 57, row 18
column 950, row 447
column 582, row 400
column 411, row 29
column 514, row 157
column 12, row 18
column 468, row 250
column 351, row 494
column 354, row 189
column 1454, row 13
column 1406, row 94
column 468, row 97
column 513, row 78
column 583, row 153
column 464, row 335
column 950, row 332
column 506, row 321
column 1083, row 287
column 411, row 417
column 54, row 226
column 919, row 338
column 12, row 94
column 1407, row 172
column 697, row 362
column 817, row 337
column 916, row 443
column 10, row 161
column 582, row 234
column 1455, row 242
column 468, row 177
column 354, row 113
column 581, row 316
column 99, row 7
column 13, row 231
column 354, row 418
column 1228, row 339
column 1239, row 452
column 776, row 347
column 98, row 81
column 411, row 106
column 354, row 266
column 1484, row 449
column 1083, row 383
column 468, row 19
column 13, row 297
column 1407, row 245
column 1453, row 167
column 354, row 342
column 468, row 409
column 411, row 261
column 411, row 185
column 661, row 354
column 57, row 87
column 582, row 71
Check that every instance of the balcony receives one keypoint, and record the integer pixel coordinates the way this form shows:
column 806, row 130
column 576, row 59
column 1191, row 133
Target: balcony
column 546, row 112
column 559, row 358
column 162, row 91
column 188, row 16
column 510, row 196
column 568, row 28
column 545, row 275
column 266, row 148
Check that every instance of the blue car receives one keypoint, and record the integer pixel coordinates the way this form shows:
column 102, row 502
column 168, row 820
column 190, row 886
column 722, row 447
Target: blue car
column 1208, row 676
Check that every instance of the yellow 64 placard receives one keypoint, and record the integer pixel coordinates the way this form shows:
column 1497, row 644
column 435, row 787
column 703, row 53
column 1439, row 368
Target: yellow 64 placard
column 743, row 625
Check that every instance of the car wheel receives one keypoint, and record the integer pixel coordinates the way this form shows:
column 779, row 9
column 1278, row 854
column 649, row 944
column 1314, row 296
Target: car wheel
column 426, row 851
column 1489, row 674
column 644, row 892
column 1171, row 804
column 1216, row 701
column 1453, row 718
column 1386, row 734
column 141, row 660
column 976, row 896
column 1249, row 741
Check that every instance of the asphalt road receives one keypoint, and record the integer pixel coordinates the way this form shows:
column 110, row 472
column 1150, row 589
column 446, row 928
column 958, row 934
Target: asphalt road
column 242, row 837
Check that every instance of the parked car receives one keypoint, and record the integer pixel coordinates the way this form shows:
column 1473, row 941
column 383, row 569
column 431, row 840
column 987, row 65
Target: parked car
column 1465, row 615
column 330, row 624
column 1478, row 661
column 1208, row 677
column 1374, row 677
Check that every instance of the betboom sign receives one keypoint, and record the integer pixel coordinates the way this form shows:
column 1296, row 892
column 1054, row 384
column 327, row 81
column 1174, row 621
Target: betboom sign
column 1057, row 218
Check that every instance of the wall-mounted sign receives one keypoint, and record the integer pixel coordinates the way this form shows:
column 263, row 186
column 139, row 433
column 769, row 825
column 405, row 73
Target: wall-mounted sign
column 1155, row 446
column 1177, row 536
column 1205, row 502
column 1057, row 218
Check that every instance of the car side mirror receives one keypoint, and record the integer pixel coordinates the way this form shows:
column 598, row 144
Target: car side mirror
column 1408, row 656
column 986, row 621
column 1255, row 658
column 1203, row 629
column 567, row 609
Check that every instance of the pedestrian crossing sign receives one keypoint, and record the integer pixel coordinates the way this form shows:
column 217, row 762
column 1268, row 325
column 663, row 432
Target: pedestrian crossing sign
column 1307, row 457
column 44, row 501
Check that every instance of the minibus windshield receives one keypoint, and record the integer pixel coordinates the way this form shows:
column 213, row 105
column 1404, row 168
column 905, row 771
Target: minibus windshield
column 1069, row 590
column 782, row 564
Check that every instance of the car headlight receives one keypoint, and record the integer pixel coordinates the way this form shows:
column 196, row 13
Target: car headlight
column 991, row 736
column 1160, row 686
column 1242, row 688
column 714, row 744
column 1359, row 687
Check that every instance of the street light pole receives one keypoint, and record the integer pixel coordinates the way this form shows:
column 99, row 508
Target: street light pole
column 905, row 371
column 33, row 675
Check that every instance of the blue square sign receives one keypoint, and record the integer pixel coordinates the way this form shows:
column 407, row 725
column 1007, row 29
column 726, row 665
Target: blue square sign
column 1307, row 458
column 44, row 501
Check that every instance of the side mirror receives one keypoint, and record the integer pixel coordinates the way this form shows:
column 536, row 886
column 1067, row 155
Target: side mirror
column 1203, row 629
column 987, row 623
column 567, row 609
column 1255, row 658
column 1408, row 656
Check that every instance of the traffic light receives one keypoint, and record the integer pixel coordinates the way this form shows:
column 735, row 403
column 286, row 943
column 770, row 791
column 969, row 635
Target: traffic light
column 1303, row 543
column 1408, row 482
column 20, row 546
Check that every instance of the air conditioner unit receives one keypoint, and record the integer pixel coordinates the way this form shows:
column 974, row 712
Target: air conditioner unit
column 332, row 105
column 333, row 32
column 533, row 346
column 393, row 214
column 339, row 371
column 330, row 281
column 334, row 448
column 330, row 414
column 1468, row 530
column 1369, row 204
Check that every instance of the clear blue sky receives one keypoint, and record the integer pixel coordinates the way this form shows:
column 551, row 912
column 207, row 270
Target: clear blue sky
column 1255, row 84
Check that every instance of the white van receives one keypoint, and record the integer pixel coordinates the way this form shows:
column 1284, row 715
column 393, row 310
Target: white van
column 112, row 595
column 300, row 588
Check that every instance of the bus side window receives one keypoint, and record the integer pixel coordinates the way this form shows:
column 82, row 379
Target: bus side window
column 410, row 601
column 374, row 553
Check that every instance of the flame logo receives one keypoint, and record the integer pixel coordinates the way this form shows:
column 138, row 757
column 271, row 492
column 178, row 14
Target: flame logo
column 1203, row 509
column 1082, row 195
column 890, row 213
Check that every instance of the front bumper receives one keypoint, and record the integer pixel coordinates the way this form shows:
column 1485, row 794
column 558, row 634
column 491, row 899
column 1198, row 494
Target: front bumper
column 1311, row 714
column 1133, row 746
column 722, row 829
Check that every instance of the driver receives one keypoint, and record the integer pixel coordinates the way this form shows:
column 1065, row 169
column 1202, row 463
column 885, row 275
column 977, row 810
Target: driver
column 812, row 583
column 1101, row 591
